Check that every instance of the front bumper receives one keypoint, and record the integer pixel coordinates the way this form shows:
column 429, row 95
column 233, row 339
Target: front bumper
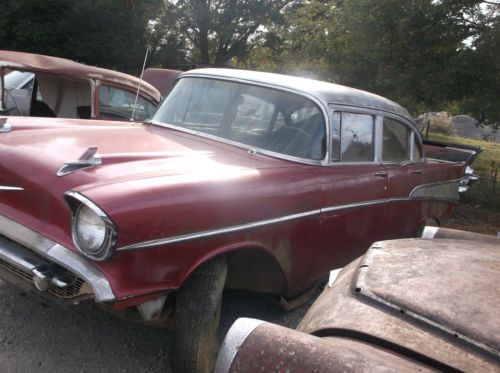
column 30, row 259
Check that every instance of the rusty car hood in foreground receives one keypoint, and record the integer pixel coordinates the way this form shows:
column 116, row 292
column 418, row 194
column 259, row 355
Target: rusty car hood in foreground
column 435, row 299
column 407, row 305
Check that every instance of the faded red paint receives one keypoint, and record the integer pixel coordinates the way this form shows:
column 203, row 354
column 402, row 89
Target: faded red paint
column 156, row 182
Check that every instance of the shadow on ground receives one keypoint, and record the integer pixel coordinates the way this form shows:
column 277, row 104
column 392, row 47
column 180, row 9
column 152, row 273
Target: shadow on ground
column 35, row 337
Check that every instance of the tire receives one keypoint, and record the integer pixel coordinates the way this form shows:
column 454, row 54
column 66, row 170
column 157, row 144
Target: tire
column 197, row 316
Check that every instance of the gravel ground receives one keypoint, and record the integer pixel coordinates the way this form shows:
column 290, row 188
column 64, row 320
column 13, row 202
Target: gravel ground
column 35, row 337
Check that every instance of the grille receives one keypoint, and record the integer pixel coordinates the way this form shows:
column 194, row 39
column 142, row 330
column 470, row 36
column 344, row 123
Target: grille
column 77, row 288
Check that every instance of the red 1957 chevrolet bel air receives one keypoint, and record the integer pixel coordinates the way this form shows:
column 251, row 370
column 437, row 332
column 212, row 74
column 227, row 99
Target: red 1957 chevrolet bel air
column 242, row 179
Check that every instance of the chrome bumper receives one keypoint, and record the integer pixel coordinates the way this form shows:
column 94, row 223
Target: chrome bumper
column 47, row 264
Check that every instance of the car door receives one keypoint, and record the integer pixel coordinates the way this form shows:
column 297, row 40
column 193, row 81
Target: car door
column 403, row 161
column 353, row 191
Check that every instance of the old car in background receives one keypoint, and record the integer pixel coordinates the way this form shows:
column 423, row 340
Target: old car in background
column 45, row 86
column 407, row 305
column 242, row 179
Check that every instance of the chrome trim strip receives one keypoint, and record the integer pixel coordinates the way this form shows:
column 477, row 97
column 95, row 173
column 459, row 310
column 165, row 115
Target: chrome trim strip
column 214, row 232
column 60, row 255
column 429, row 232
column 257, row 224
column 444, row 189
column 235, row 337
column 6, row 188
column 364, row 204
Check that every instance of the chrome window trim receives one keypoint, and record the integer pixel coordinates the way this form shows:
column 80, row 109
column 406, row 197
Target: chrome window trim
column 379, row 138
column 236, row 228
column 354, row 110
column 318, row 102
column 251, row 149
column 60, row 255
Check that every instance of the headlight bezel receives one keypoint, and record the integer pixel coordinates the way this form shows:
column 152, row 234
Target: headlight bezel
column 76, row 202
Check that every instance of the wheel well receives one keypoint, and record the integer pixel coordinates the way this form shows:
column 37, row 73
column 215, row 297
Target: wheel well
column 255, row 270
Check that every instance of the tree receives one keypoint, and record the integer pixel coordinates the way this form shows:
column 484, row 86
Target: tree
column 424, row 54
column 219, row 30
column 106, row 33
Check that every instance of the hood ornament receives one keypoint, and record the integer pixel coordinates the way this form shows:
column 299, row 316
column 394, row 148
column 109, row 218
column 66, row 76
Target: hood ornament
column 4, row 126
column 86, row 160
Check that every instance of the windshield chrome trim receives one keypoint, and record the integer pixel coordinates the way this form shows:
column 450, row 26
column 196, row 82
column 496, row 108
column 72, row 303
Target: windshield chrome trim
column 5, row 125
column 255, row 150
column 317, row 101
column 256, row 224
column 66, row 258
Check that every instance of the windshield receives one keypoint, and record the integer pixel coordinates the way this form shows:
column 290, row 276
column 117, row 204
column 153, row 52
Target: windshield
column 260, row 117
column 16, row 79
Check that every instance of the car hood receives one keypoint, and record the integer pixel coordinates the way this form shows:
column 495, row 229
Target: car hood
column 437, row 298
column 35, row 150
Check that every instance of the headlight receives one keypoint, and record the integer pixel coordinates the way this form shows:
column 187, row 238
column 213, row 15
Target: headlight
column 94, row 234
column 90, row 229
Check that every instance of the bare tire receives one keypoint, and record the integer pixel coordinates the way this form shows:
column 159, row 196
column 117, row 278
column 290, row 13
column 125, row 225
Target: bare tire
column 197, row 316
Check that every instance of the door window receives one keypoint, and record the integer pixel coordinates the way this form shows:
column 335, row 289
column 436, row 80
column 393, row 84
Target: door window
column 396, row 141
column 355, row 134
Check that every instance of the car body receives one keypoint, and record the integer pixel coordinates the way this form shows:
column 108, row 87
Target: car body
column 406, row 305
column 284, row 177
column 46, row 86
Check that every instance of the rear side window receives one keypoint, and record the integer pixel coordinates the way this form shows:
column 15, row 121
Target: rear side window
column 353, row 137
column 396, row 141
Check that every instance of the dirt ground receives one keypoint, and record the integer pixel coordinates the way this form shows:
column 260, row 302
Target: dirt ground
column 475, row 219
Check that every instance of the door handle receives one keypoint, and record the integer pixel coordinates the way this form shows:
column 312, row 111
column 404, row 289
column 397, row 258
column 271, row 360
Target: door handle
column 417, row 172
column 381, row 174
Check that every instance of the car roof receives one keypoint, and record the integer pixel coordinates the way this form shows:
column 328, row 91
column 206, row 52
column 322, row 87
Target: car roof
column 328, row 93
column 62, row 66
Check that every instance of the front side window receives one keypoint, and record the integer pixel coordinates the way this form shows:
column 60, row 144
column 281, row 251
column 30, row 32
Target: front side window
column 116, row 103
column 353, row 137
column 396, row 141
column 261, row 117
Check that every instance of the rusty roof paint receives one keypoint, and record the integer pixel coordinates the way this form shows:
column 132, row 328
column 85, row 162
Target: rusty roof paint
column 62, row 66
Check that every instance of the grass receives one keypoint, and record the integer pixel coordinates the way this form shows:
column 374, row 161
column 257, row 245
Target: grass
column 484, row 193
